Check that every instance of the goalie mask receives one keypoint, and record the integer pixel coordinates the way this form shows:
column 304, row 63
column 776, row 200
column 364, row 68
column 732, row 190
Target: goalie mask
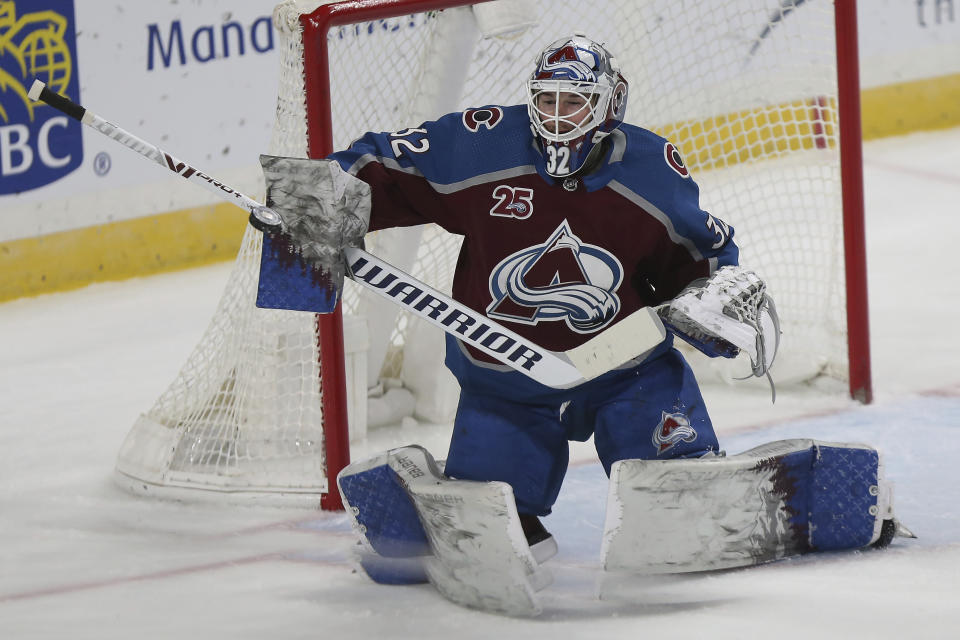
column 576, row 97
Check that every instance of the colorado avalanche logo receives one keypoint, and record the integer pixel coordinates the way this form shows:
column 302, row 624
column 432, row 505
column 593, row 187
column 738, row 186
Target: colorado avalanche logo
column 673, row 429
column 672, row 156
column 488, row 117
column 562, row 279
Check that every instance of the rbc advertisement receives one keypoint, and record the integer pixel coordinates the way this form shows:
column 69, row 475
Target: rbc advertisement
column 198, row 79
column 38, row 144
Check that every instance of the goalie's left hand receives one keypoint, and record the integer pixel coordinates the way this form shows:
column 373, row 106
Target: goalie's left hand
column 728, row 312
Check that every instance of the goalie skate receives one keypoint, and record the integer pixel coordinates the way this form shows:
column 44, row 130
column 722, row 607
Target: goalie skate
column 467, row 539
column 777, row 500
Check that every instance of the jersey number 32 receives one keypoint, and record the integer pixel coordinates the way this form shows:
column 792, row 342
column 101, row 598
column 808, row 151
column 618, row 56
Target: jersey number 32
column 558, row 160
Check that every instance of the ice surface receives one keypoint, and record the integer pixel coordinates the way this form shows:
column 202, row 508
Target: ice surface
column 79, row 558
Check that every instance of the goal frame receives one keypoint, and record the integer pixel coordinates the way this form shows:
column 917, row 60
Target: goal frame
column 319, row 22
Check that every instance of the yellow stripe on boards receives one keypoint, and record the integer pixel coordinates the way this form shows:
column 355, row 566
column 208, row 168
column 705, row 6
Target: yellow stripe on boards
column 725, row 140
column 931, row 103
column 120, row 250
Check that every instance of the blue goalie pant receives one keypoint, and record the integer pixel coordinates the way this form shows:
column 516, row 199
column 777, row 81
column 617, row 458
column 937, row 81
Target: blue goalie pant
column 515, row 430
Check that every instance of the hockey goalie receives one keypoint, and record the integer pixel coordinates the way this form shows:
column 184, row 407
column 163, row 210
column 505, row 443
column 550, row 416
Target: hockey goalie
column 572, row 220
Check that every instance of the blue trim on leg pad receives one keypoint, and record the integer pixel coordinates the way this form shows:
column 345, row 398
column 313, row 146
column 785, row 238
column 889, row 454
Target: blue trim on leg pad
column 384, row 515
column 830, row 490
column 844, row 488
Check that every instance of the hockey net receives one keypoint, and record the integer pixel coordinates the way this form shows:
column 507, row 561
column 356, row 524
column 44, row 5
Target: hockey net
column 748, row 90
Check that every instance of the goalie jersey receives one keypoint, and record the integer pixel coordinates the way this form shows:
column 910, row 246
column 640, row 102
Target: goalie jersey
column 556, row 260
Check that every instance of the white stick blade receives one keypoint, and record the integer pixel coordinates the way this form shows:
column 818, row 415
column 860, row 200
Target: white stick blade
column 634, row 335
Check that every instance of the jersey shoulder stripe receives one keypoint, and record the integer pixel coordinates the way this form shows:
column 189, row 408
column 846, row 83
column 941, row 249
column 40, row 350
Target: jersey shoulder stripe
column 468, row 145
column 453, row 152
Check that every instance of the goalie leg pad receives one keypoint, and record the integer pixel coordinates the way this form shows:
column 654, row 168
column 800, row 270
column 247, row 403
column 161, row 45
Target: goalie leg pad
column 479, row 556
column 777, row 500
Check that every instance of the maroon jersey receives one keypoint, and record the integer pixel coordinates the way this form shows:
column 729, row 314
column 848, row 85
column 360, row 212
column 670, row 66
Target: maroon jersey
column 554, row 260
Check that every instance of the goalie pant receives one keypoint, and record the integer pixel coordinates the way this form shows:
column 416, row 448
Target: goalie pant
column 653, row 410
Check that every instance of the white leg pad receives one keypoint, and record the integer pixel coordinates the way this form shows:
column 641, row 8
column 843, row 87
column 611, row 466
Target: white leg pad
column 478, row 555
column 776, row 500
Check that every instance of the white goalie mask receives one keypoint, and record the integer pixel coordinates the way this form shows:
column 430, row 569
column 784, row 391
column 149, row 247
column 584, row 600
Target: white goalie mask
column 576, row 96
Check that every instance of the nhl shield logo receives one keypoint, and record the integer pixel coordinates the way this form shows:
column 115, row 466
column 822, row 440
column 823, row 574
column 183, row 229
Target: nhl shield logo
column 561, row 279
column 673, row 429
column 38, row 144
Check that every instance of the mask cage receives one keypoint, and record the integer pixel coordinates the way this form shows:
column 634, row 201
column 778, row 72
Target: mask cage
column 596, row 99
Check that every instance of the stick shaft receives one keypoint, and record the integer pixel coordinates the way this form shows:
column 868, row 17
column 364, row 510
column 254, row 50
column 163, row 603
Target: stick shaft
column 144, row 148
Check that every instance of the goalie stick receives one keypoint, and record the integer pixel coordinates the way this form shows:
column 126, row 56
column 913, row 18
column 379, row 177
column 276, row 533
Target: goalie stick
column 634, row 335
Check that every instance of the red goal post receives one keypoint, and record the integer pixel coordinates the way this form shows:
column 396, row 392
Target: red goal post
column 763, row 102
column 854, row 233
